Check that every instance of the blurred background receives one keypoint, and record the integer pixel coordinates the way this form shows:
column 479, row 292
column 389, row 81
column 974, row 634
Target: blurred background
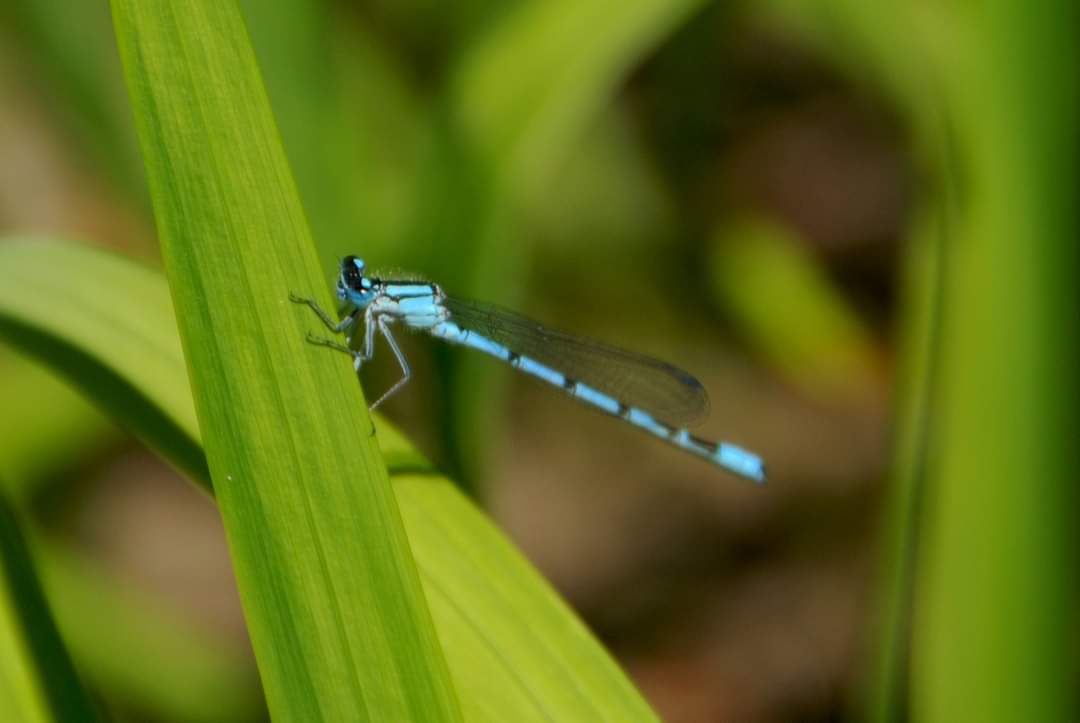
column 758, row 193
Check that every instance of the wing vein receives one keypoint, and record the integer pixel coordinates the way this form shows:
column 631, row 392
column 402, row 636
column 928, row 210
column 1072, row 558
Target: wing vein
column 662, row 389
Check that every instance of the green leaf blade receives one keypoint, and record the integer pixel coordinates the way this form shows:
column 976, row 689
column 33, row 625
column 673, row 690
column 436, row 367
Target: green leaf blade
column 111, row 356
column 38, row 682
column 331, row 595
column 516, row 651
column 489, row 603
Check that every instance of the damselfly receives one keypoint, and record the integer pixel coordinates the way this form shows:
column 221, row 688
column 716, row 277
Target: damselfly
column 649, row 394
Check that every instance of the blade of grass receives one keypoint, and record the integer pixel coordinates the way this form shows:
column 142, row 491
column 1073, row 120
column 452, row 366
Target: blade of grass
column 38, row 683
column 885, row 683
column 516, row 651
column 991, row 431
column 109, row 362
column 996, row 606
column 332, row 598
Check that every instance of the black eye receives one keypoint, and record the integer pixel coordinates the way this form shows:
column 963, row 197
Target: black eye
column 350, row 273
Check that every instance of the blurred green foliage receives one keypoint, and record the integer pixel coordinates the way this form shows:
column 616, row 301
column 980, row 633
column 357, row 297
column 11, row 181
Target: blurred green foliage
column 38, row 682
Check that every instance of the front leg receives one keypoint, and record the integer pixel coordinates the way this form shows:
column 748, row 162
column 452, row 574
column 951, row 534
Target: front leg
column 368, row 350
column 336, row 327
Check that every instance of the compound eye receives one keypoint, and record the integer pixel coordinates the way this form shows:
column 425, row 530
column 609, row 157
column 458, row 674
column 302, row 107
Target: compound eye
column 352, row 271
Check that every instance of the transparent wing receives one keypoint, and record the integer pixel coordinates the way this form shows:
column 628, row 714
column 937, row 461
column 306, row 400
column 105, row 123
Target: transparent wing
column 664, row 390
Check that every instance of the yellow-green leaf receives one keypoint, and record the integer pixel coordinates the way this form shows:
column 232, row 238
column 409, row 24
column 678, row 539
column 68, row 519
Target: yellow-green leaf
column 516, row 651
